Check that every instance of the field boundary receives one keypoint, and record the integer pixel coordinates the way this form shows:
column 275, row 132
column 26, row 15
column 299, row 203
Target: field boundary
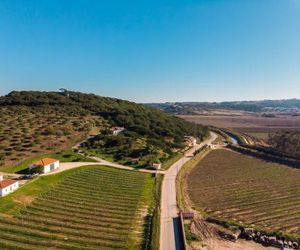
column 265, row 156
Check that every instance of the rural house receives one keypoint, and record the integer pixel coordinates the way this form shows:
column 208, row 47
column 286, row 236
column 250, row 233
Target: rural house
column 7, row 186
column 44, row 165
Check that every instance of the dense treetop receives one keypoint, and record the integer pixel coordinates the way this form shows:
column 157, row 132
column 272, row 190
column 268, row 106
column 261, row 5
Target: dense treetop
column 286, row 141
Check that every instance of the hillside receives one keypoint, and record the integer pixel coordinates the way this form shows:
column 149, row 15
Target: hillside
column 184, row 108
column 64, row 117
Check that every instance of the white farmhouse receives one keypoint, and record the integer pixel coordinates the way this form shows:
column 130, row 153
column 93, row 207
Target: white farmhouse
column 7, row 186
column 45, row 165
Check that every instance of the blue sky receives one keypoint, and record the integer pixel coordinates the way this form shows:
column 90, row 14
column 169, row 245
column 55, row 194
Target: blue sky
column 156, row 51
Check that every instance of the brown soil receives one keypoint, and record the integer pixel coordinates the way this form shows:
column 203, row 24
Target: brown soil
column 219, row 244
column 247, row 121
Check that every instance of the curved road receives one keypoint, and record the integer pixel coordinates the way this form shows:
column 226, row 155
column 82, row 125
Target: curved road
column 169, row 236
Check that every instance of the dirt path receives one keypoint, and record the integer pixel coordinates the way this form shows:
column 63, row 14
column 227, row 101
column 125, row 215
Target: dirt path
column 71, row 165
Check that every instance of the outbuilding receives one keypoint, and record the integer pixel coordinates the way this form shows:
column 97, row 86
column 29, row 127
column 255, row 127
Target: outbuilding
column 156, row 165
column 7, row 186
column 45, row 165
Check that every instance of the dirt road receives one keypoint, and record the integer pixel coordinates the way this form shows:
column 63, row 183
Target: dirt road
column 169, row 208
column 70, row 165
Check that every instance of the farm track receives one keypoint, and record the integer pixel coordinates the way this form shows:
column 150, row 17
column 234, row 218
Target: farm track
column 232, row 186
column 95, row 208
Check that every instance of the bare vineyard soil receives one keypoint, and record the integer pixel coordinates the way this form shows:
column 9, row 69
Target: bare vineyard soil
column 235, row 187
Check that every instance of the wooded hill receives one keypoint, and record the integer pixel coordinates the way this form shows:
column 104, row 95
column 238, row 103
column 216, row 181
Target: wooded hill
column 158, row 131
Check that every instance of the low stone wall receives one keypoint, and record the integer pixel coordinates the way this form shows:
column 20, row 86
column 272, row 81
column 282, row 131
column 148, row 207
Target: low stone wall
column 266, row 240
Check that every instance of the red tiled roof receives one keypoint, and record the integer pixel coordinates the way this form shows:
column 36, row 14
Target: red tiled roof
column 6, row 183
column 44, row 162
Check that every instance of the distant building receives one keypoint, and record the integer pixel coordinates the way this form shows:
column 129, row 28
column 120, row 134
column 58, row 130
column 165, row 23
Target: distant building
column 45, row 165
column 190, row 141
column 117, row 130
column 156, row 165
column 7, row 186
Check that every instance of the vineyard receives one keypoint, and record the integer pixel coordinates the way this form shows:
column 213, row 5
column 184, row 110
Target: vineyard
column 234, row 187
column 93, row 208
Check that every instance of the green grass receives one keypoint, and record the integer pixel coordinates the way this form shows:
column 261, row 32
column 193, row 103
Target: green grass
column 63, row 156
column 260, row 135
column 155, row 225
column 235, row 187
column 169, row 162
column 92, row 207
column 14, row 202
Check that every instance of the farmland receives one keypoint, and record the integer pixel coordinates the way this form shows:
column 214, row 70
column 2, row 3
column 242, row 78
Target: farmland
column 234, row 187
column 87, row 208
column 253, row 124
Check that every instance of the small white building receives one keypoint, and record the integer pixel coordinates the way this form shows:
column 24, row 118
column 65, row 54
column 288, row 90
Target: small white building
column 45, row 165
column 7, row 186
column 156, row 165
column 190, row 141
column 117, row 130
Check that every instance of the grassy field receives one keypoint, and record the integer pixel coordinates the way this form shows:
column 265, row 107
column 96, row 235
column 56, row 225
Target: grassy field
column 259, row 135
column 27, row 133
column 246, row 190
column 86, row 208
column 63, row 156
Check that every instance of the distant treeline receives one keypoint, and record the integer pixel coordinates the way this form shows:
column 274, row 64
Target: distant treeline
column 185, row 108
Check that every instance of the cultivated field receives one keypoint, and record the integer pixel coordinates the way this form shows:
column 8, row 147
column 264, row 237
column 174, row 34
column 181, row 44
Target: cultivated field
column 239, row 188
column 92, row 208
column 25, row 133
column 253, row 124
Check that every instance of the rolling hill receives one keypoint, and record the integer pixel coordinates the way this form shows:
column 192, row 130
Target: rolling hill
column 33, row 123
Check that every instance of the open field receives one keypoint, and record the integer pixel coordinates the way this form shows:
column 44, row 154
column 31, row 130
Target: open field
column 234, row 187
column 87, row 208
column 26, row 133
column 252, row 124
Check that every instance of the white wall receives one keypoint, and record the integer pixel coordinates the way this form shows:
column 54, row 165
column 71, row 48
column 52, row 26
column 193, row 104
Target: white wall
column 47, row 167
column 9, row 189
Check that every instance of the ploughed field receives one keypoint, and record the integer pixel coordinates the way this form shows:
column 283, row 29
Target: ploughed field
column 235, row 187
column 93, row 208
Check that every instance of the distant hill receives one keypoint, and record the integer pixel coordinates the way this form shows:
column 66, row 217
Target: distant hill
column 183, row 108
column 150, row 131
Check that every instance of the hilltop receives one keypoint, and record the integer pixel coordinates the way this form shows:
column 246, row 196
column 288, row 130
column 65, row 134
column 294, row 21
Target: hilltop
column 68, row 116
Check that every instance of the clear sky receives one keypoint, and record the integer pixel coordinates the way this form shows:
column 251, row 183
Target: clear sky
column 176, row 50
